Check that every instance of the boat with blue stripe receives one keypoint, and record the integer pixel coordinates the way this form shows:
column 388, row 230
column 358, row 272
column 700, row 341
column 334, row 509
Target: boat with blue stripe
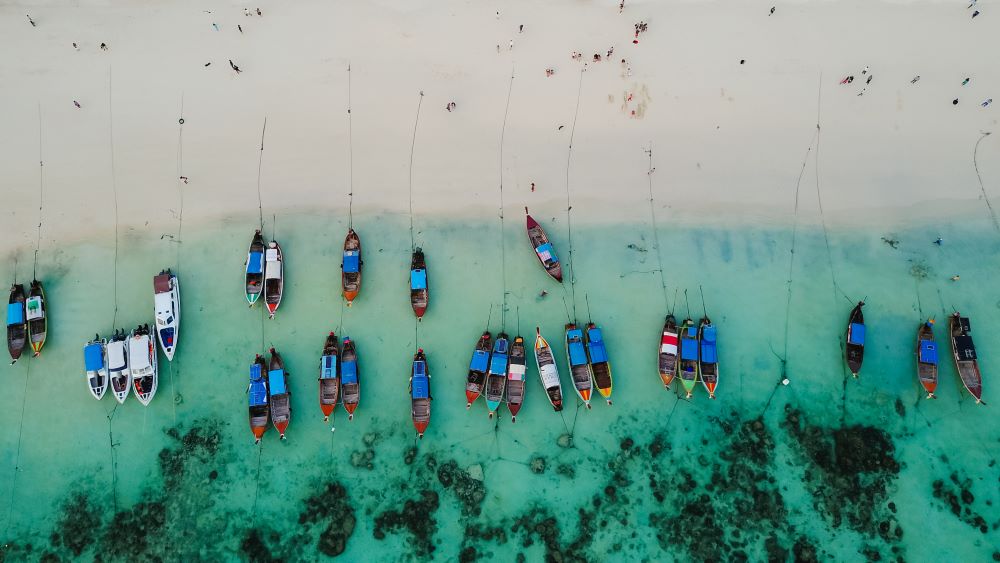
column 259, row 406
column 478, row 366
column 95, row 362
column 350, row 267
column 350, row 381
column 688, row 372
column 329, row 376
column 419, row 293
column 708, row 358
column 278, row 394
column 854, row 351
column 17, row 328
column 927, row 358
column 597, row 355
column 496, row 377
column 579, row 366
column 420, row 393
column 255, row 268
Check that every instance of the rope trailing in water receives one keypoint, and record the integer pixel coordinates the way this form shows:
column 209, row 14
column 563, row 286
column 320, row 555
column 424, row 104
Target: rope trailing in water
column 656, row 232
column 350, row 152
column 260, row 164
column 503, row 245
column 41, row 194
column 180, row 227
column 982, row 188
column 17, row 455
column 569, row 206
column 114, row 188
column 413, row 145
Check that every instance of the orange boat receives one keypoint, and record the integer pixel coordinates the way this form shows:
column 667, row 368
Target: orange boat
column 329, row 376
column 351, row 267
column 420, row 393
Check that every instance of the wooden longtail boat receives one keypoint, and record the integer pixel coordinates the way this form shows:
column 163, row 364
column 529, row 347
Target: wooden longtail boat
column 579, row 367
column 255, row 268
column 667, row 357
column 496, row 377
column 119, row 374
column 964, row 353
column 260, row 407
column 543, row 248
column 95, row 361
column 329, row 378
column 855, row 349
column 927, row 358
column 478, row 366
column 350, row 267
column 708, row 357
column 143, row 364
column 548, row 371
column 350, row 382
column 38, row 321
column 278, row 394
column 167, row 309
column 597, row 355
column 274, row 281
column 419, row 294
column 688, row 371
column 515, row 377
column 420, row 393
column 17, row 330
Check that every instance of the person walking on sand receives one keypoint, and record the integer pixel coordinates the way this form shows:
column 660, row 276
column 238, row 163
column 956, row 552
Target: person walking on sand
column 772, row 11
column 246, row 11
column 31, row 21
column 236, row 68
column 532, row 187
column 77, row 104
column 240, row 27
column 258, row 12
column 987, row 102
column 915, row 79
column 621, row 6
column 104, row 46
column 976, row 13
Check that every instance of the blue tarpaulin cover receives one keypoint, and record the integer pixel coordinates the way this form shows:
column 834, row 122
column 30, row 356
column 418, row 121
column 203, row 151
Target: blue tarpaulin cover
column 598, row 353
column 577, row 353
column 499, row 363
column 256, row 263
column 15, row 313
column 480, row 360
column 418, row 279
column 349, row 372
column 93, row 356
column 708, row 353
column 421, row 386
column 928, row 352
column 546, row 252
column 351, row 261
column 857, row 334
column 689, row 349
column 276, row 382
column 258, row 391
column 329, row 367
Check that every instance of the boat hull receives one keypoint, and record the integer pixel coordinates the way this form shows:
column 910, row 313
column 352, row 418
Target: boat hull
column 254, row 269
column 548, row 372
column 927, row 359
column 37, row 314
column 17, row 328
column 167, row 311
column 965, row 358
column 579, row 369
column 350, row 266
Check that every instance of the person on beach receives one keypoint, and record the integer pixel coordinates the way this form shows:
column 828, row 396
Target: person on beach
column 532, row 187
column 610, row 51
column 864, row 71
column 31, row 21
column 510, row 47
column 246, row 11
column 954, row 102
column 75, row 47
column 77, row 104
column 915, row 79
column 549, row 72
column 216, row 26
column 236, row 68
column 772, row 11
column 450, row 106
column 869, row 81
column 240, row 27
column 597, row 57
column 104, row 46
column 258, row 12
column 966, row 81
column 987, row 102
column 976, row 13
column 621, row 6
column 520, row 28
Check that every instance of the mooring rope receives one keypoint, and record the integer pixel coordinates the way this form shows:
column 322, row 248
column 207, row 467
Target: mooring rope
column 569, row 206
column 503, row 245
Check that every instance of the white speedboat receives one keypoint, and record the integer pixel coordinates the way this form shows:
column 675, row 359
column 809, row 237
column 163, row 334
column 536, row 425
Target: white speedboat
column 119, row 375
column 167, row 306
column 95, row 361
column 142, row 356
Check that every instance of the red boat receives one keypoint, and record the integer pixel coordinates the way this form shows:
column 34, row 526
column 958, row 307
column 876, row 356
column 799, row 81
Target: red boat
column 329, row 376
column 543, row 248
column 419, row 294
column 279, row 395
column 420, row 393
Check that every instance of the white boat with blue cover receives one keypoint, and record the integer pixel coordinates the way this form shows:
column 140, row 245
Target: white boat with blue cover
column 167, row 309
column 142, row 363
column 95, row 361
column 496, row 377
column 119, row 374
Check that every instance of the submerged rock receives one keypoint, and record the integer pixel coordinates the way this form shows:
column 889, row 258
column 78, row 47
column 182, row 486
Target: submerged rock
column 78, row 526
column 332, row 510
column 470, row 491
column 416, row 517
column 537, row 465
column 565, row 441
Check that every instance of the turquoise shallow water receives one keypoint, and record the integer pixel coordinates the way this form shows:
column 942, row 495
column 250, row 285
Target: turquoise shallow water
column 820, row 469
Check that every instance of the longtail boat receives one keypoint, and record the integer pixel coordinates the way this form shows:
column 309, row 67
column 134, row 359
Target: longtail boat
column 260, row 407
column 329, row 379
column 255, row 268
column 95, row 361
column 688, row 372
column 38, row 321
column 350, row 383
column 548, row 371
column 143, row 364
column 543, row 248
column 119, row 374
column 419, row 294
column 167, row 308
column 515, row 377
column 579, row 367
column 420, row 393
column 964, row 353
column 668, row 351
column 351, row 267
column 708, row 358
column 496, row 377
column 278, row 394
column 478, row 366
column 927, row 358
column 855, row 349
column 274, row 281
column 17, row 330
column 597, row 355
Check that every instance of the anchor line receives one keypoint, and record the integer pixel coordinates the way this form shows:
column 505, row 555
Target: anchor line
column 656, row 233
column 791, row 259
column 503, row 245
column 114, row 188
column 260, row 164
column 569, row 206
column 17, row 456
column 41, row 194
column 413, row 145
column 350, row 150
column 982, row 188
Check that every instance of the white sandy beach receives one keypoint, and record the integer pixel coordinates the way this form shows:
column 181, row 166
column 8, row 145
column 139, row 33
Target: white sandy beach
column 728, row 139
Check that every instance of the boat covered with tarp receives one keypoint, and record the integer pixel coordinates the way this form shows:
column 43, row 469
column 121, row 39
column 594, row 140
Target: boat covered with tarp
column 38, row 321
column 927, row 358
column 688, row 372
column 420, row 393
column 964, row 354
column 260, row 407
column 329, row 376
column 600, row 366
column 515, row 377
column 350, row 378
column 478, row 366
column 579, row 367
column 255, row 268
column 350, row 266
column 855, row 348
column 419, row 293
column 496, row 377
column 95, row 362
column 278, row 394
column 17, row 329
column 708, row 358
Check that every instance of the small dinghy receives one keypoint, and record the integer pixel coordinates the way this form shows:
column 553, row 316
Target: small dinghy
column 119, row 374
column 260, row 408
column 17, row 330
column 278, row 394
column 515, row 377
column 543, row 248
column 255, row 268
column 167, row 306
column 478, row 367
column 329, row 380
column 38, row 321
column 964, row 353
column 274, row 283
column 689, row 357
column 351, row 267
column 708, row 359
column 142, row 364
column 419, row 294
column 496, row 377
column 579, row 367
column 855, row 349
column 927, row 358
column 597, row 355
column 668, row 351
column 420, row 393
column 95, row 361
column 548, row 371
column 350, row 382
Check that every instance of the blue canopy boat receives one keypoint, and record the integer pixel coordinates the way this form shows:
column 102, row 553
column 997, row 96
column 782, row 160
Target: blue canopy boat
column 420, row 393
column 257, row 399
column 351, row 267
column 419, row 294
column 278, row 394
column 255, row 268
column 597, row 354
column 708, row 362
column 855, row 349
column 927, row 358
column 478, row 366
column 329, row 380
column 350, row 384
column 17, row 328
column 543, row 248
column 579, row 367
column 96, row 363
column 688, row 372
column 496, row 378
